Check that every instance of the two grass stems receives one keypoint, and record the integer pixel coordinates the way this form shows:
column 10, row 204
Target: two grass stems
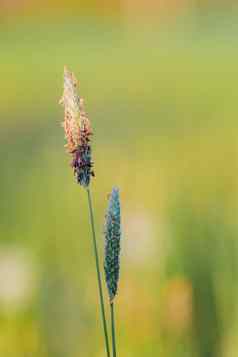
column 113, row 330
column 98, row 273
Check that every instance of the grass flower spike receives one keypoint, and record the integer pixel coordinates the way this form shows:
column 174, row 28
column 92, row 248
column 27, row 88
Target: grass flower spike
column 77, row 130
column 112, row 243
column 78, row 134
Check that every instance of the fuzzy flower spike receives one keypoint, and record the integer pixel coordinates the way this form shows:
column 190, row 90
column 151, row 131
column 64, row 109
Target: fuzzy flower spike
column 77, row 130
column 112, row 243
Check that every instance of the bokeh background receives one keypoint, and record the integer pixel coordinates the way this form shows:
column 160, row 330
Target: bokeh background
column 159, row 80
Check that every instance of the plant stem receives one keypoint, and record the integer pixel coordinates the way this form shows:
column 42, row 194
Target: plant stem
column 113, row 330
column 98, row 272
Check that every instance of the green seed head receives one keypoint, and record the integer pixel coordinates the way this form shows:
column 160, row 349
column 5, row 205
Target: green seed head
column 112, row 243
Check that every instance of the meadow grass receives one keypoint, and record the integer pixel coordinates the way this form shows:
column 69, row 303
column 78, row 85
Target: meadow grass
column 173, row 99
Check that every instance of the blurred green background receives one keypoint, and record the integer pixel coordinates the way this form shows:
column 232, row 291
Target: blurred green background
column 160, row 86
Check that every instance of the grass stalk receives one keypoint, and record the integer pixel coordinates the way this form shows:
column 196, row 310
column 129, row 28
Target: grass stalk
column 98, row 273
column 113, row 330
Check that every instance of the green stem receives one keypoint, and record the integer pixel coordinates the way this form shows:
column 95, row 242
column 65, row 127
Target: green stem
column 98, row 273
column 113, row 330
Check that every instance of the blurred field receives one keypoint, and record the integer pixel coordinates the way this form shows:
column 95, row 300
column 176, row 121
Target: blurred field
column 163, row 105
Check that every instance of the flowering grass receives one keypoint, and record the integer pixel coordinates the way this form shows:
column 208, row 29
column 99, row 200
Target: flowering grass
column 78, row 130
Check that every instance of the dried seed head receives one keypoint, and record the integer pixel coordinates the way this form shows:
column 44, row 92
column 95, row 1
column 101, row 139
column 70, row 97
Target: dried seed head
column 112, row 243
column 77, row 129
